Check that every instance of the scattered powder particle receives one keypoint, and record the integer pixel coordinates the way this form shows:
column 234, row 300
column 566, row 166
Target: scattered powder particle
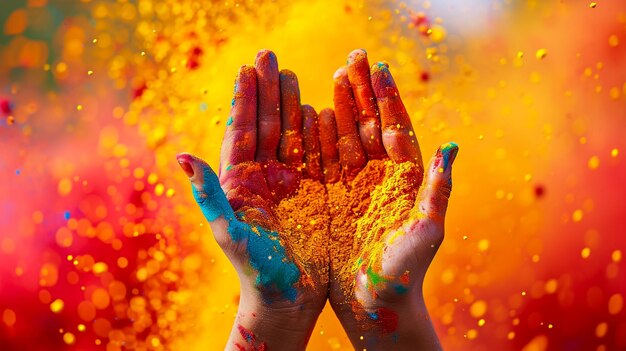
column 478, row 309
column 616, row 256
column 594, row 162
column 9, row 317
column 541, row 54
column 585, row 252
column 577, row 215
column 57, row 305
column 616, row 303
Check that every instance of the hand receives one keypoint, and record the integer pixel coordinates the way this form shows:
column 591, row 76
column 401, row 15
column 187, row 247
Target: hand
column 386, row 224
column 258, row 206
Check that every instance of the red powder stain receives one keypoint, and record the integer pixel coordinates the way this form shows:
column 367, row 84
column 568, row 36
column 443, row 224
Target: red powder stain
column 387, row 319
column 404, row 278
column 250, row 339
column 438, row 159
column 424, row 76
column 246, row 334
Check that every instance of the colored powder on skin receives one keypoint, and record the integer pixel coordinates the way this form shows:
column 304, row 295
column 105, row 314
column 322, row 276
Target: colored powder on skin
column 371, row 206
column 246, row 334
column 267, row 255
column 391, row 204
column 250, row 340
column 347, row 203
column 305, row 221
column 386, row 319
column 287, row 243
column 445, row 151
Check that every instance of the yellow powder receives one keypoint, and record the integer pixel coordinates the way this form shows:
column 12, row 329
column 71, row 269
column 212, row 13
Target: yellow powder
column 366, row 209
column 339, row 225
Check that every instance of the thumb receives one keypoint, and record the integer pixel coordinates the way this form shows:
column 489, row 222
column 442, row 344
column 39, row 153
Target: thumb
column 437, row 186
column 206, row 188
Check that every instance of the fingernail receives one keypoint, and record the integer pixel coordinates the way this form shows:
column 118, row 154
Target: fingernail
column 340, row 73
column 183, row 161
column 448, row 153
column 356, row 55
column 380, row 66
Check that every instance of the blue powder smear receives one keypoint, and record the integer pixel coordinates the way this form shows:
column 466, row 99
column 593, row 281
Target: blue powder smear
column 267, row 255
column 446, row 151
column 400, row 289
column 67, row 215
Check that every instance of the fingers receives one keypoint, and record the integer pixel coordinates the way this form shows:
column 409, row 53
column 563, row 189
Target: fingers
column 435, row 191
column 290, row 149
column 331, row 169
column 239, row 144
column 369, row 121
column 206, row 187
column 397, row 132
column 351, row 154
column 311, row 139
column 268, row 123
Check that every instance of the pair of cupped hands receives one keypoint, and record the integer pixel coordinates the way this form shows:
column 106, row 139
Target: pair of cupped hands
column 275, row 149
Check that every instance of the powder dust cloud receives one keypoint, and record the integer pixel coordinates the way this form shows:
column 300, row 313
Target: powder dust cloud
column 103, row 248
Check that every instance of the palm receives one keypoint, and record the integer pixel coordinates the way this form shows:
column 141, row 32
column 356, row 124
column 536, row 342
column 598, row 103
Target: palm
column 265, row 185
column 267, row 198
column 385, row 230
column 372, row 241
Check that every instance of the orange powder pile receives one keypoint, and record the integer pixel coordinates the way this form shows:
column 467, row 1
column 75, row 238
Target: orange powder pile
column 364, row 210
column 335, row 225
column 304, row 222
column 347, row 203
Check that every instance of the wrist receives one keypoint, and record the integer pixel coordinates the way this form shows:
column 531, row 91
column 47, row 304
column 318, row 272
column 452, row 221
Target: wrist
column 262, row 325
column 402, row 324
